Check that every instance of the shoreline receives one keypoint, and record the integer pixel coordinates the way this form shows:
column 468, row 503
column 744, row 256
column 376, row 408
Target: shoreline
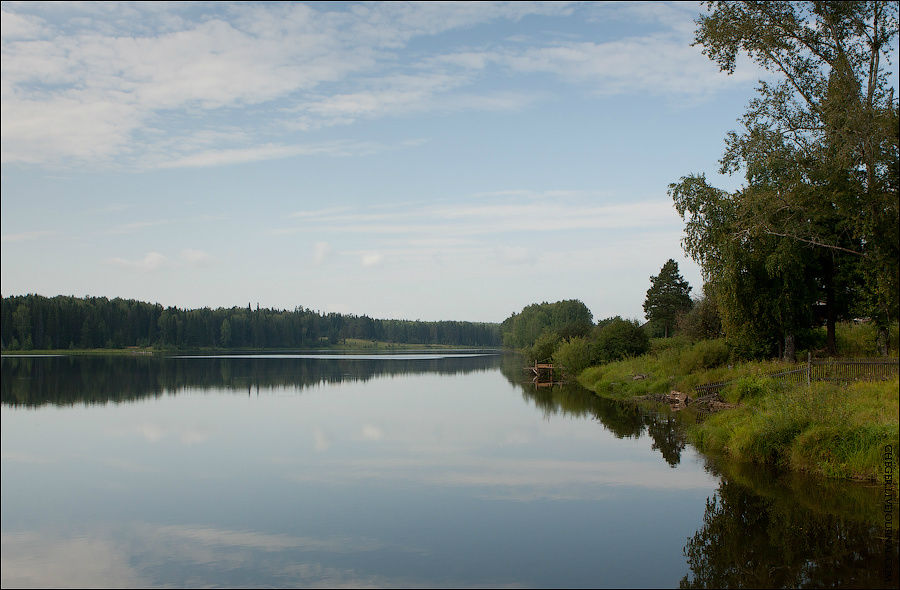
column 361, row 346
column 829, row 430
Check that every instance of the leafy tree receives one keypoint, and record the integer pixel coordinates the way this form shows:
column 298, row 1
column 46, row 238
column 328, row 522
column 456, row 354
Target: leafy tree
column 702, row 321
column 668, row 297
column 575, row 355
column 819, row 151
column 619, row 339
column 568, row 318
column 544, row 347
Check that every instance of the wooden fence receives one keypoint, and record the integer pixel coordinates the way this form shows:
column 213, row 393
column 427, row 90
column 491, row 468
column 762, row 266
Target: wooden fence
column 835, row 370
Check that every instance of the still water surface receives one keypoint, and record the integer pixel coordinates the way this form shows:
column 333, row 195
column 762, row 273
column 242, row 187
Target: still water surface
column 431, row 469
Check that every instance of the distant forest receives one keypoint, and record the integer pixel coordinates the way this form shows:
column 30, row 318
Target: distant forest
column 34, row 322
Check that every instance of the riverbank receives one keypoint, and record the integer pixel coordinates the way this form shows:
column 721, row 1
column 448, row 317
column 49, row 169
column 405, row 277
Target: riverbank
column 835, row 431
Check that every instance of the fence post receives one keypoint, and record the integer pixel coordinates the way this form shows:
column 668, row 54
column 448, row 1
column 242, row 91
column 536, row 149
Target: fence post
column 808, row 366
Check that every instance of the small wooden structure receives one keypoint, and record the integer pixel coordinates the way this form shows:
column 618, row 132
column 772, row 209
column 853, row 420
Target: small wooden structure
column 541, row 368
column 543, row 373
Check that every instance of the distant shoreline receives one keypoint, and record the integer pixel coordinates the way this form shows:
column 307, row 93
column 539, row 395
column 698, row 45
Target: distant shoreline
column 353, row 346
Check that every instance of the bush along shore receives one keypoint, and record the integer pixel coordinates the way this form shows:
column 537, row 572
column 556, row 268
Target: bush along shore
column 839, row 430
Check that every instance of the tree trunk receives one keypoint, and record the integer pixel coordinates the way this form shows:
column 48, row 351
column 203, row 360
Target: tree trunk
column 790, row 347
column 830, row 339
column 882, row 339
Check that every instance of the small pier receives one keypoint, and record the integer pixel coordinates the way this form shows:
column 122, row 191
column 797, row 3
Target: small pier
column 541, row 368
column 543, row 373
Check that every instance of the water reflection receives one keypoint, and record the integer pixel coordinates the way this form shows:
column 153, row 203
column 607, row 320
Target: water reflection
column 442, row 477
column 769, row 530
column 624, row 420
column 68, row 380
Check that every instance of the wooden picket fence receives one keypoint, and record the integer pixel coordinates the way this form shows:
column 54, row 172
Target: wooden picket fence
column 834, row 370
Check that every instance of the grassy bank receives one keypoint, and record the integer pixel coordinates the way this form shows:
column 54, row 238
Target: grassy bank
column 671, row 365
column 827, row 429
column 837, row 431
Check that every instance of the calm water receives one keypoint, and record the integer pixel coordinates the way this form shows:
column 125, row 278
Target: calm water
column 407, row 470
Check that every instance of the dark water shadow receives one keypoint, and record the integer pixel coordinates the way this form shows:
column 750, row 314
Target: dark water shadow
column 768, row 529
column 69, row 380
column 622, row 419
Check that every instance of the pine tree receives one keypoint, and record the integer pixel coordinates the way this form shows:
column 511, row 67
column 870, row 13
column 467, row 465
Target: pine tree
column 669, row 295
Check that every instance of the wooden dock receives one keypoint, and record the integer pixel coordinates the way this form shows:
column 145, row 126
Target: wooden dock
column 541, row 368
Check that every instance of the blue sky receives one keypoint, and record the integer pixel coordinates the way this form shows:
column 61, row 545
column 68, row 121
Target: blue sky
column 421, row 161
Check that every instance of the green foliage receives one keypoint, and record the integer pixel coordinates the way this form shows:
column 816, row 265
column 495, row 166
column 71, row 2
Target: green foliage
column 619, row 339
column 833, row 430
column 574, row 356
column 668, row 297
column 817, row 219
column 568, row 319
column 702, row 321
column 706, row 354
column 41, row 323
column 544, row 347
column 750, row 387
column 862, row 340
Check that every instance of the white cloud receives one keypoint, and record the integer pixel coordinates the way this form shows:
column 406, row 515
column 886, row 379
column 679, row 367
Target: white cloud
column 142, row 86
column 15, row 26
column 196, row 257
column 25, row 236
column 372, row 258
column 514, row 255
column 127, row 228
column 544, row 212
column 661, row 64
column 151, row 262
column 370, row 432
column 222, row 157
column 321, row 250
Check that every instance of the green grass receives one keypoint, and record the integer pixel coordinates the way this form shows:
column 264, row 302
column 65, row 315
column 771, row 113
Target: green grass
column 674, row 365
column 837, row 431
column 859, row 340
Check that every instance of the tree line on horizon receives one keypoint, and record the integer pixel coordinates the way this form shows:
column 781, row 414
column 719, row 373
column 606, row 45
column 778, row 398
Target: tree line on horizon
column 35, row 322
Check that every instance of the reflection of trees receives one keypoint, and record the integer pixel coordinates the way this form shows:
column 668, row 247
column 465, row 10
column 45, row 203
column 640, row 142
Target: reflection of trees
column 621, row 418
column 753, row 539
column 100, row 379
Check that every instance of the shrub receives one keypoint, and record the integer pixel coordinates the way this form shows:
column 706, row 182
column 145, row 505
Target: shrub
column 749, row 387
column 702, row 321
column 618, row 339
column 574, row 356
column 544, row 347
column 706, row 354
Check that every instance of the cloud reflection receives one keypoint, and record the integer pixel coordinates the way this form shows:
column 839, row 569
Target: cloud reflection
column 40, row 560
column 131, row 556
column 503, row 477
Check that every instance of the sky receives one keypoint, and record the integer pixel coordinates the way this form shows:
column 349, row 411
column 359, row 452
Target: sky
column 436, row 161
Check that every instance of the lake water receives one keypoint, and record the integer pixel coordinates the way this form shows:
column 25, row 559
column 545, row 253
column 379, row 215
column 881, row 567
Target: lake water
column 423, row 470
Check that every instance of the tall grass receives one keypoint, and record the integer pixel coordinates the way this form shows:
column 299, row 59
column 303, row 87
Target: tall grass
column 860, row 340
column 832, row 430
column 680, row 365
